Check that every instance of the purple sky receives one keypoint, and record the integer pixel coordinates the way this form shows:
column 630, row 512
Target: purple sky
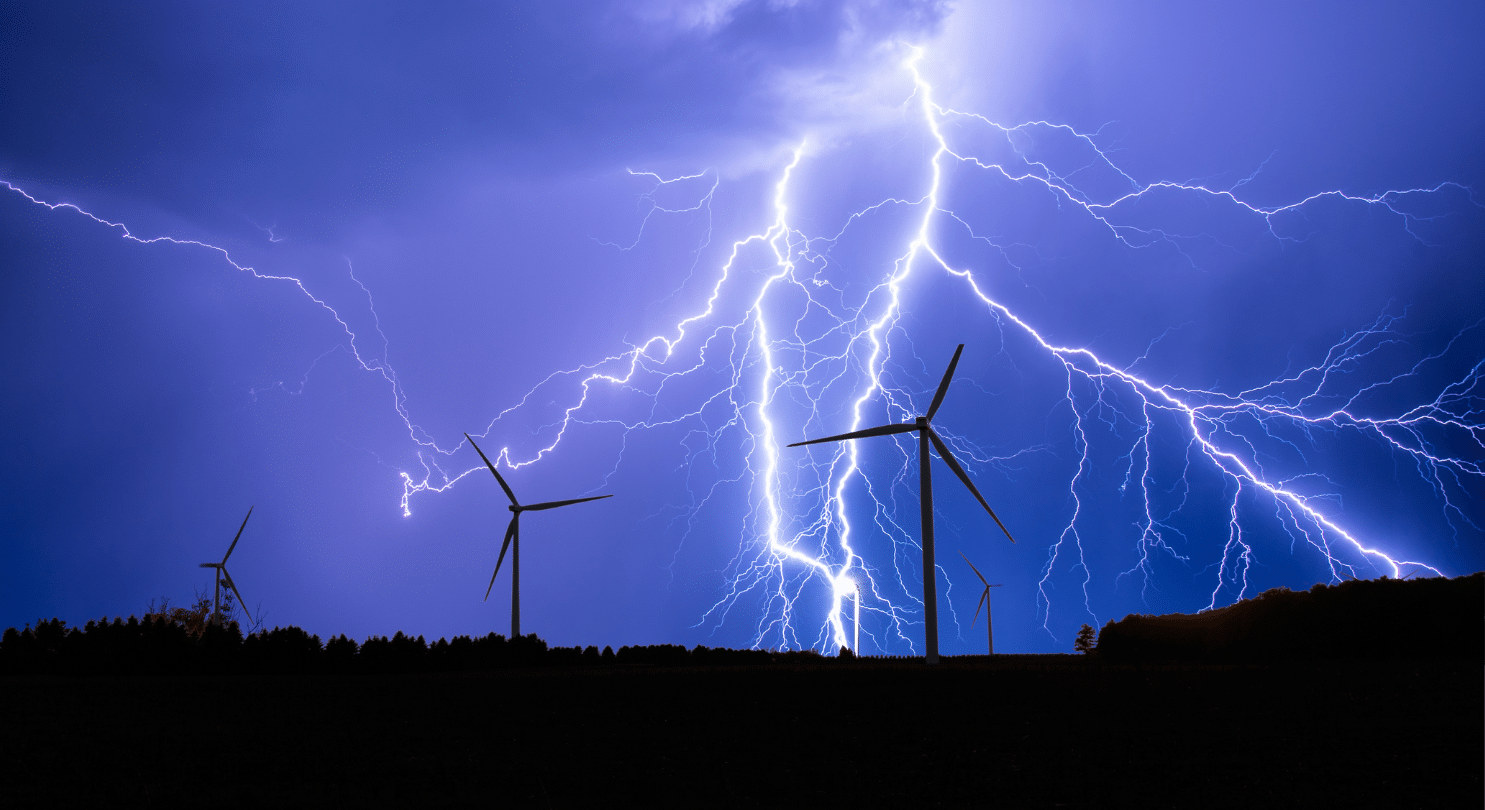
column 1217, row 274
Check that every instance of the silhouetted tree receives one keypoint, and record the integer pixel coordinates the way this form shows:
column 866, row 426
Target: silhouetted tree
column 340, row 652
column 282, row 648
column 1085, row 642
column 194, row 618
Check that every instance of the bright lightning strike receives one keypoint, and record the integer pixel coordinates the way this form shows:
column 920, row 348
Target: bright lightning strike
column 782, row 348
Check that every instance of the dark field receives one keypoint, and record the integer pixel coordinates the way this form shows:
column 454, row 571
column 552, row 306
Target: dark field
column 1018, row 731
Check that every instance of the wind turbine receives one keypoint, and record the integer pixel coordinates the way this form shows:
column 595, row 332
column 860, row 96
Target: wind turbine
column 216, row 611
column 925, row 492
column 985, row 603
column 513, row 540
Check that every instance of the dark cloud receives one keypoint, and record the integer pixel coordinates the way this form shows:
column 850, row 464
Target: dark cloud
column 343, row 105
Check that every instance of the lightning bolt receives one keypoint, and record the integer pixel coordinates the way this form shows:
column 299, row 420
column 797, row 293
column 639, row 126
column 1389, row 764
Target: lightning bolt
column 778, row 345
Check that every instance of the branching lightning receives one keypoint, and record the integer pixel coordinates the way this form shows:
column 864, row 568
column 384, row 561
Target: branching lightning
column 779, row 350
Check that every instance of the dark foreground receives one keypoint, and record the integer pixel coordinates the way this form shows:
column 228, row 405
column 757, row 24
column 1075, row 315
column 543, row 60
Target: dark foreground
column 1021, row 731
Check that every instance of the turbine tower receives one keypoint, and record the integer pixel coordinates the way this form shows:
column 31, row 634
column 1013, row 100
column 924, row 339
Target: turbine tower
column 856, row 647
column 216, row 611
column 925, row 492
column 513, row 540
column 984, row 602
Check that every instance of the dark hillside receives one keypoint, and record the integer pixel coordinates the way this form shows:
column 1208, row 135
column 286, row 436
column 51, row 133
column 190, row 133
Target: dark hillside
column 1057, row 731
column 146, row 713
column 1382, row 619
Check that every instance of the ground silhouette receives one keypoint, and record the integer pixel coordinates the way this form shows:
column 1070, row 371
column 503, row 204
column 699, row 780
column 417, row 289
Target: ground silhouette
column 1357, row 619
column 145, row 713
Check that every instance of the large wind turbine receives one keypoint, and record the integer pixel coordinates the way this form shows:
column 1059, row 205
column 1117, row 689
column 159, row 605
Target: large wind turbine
column 216, row 611
column 513, row 540
column 984, row 603
column 925, row 492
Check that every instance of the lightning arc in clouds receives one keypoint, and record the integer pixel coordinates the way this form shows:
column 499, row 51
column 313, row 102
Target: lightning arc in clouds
column 791, row 345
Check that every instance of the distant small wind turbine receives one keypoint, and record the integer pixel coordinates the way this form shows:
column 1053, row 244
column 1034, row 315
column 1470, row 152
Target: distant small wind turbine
column 216, row 612
column 984, row 603
column 925, row 492
column 513, row 540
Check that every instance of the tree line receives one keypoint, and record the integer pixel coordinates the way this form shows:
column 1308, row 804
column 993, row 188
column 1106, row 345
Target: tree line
column 1357, row 619
column 1376, row 619
column 160, row 643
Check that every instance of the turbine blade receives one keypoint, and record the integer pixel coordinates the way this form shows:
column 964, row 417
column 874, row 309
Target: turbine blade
column 510, row 532
column 242, row 603
column 210, row 565
column 884, row 430
column 948, row 458
column 239, row 534
column 983, row 597
column 976, row 570
column 537, row 507
column 503, row 485
column 943, row 387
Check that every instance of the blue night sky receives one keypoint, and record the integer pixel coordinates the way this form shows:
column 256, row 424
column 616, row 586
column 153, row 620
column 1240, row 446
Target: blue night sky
column 1217, row 273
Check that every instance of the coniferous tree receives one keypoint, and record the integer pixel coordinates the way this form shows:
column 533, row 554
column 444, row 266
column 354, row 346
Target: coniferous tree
column 1085, row 642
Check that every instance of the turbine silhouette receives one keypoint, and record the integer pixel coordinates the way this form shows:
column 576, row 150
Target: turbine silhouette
column 856, row 627
column 985, row 603
column 513, row 540
column 216, row 611
column 925, row 492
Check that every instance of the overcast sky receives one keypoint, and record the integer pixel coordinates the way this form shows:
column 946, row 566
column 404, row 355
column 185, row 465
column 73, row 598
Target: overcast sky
column 1217, row 274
